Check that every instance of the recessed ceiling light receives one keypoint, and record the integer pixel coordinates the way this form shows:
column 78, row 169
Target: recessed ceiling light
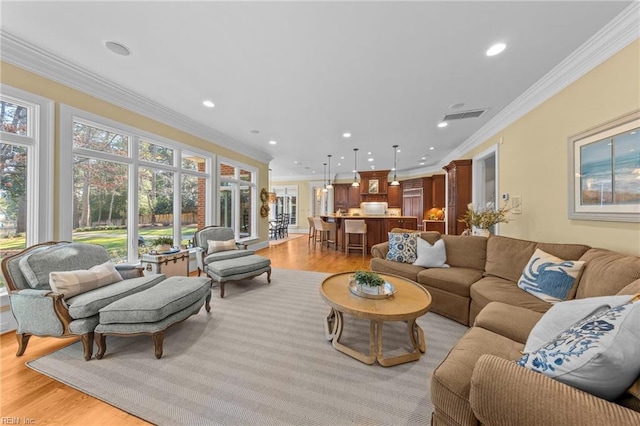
column 432, row 148
column 443, row 124
column 423, row 158
column 369, row 153
column 495, row 49
column 369, row 159
column 457, row 106
column 339, row 164
column 295, row 162
column 633, row 133
column 346, row 135
column 342, row 158
column 208, row 103
column 373, row 167
column 421, row 163
column 117, row 48
column 272, row 142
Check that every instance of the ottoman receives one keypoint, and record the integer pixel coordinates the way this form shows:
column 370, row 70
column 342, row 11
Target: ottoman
column 153, row 310
column 237, row 269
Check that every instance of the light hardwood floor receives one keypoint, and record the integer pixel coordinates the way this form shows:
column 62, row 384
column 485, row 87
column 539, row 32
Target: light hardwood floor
column 25, row 394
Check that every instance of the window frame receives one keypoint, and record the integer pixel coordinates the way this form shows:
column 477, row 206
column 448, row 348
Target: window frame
column 236, row 205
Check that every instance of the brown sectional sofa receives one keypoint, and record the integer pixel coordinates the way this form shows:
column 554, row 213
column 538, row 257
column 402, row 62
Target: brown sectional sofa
column 479, row 382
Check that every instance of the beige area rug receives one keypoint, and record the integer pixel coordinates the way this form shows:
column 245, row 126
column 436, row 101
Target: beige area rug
column 259, row 357
column 284, row 240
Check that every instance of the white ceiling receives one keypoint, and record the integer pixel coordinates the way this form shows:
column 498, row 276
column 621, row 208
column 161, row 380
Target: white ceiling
column 303, row 73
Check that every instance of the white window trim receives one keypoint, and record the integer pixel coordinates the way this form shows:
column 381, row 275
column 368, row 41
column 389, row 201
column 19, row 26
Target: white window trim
column 478, row 181
column 70, row 114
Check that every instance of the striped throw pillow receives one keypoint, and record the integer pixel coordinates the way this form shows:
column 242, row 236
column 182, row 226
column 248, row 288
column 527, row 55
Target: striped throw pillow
column 216, row 246
column 72, row 283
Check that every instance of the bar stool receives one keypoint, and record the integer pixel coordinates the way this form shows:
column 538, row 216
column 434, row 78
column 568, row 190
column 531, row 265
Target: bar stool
column 312, row 229
column 325, row 229
column 355, row 227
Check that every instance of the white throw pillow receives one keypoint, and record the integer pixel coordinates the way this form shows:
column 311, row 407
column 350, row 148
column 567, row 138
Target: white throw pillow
column 548, row 277
column 431, row 256
column 72, row 283
column 216, row 246
column 564, row 314
column 599, row 355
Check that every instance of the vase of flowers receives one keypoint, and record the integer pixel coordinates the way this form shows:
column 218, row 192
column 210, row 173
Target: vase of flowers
column 479, row 220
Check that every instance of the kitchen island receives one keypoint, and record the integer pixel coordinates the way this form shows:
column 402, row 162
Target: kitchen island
column 378, row 227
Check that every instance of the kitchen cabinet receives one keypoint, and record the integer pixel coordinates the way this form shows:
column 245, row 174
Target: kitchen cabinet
column 412, row 198
column 374, row 185
column 394, row 197
column 341, row 196
column 458, row 195
column 401, row 222
column 437, row 191
column 434, row 225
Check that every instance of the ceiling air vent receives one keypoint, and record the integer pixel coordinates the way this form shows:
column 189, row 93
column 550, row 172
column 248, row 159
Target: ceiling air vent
column 476, row 113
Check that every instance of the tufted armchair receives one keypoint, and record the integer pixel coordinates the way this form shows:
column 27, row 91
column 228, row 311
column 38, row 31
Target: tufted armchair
column 41, row 311
column 218, row 234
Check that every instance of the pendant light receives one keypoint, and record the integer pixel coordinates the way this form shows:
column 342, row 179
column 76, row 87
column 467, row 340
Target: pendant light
column 324, row 181
column 395, row 165
column 355, row 168
column 329, row 175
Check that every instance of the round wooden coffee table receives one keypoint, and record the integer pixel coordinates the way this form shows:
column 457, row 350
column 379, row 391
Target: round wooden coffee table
column 410, row 302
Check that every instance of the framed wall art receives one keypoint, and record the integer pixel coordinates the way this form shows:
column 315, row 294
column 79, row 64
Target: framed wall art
column 374, row 186
column 604, row 171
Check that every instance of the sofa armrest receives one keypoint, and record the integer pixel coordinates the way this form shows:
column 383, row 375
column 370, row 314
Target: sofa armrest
column 380, row 250
column 40, row 312
column 504, row 393
column 507, row 320
column 127, row 270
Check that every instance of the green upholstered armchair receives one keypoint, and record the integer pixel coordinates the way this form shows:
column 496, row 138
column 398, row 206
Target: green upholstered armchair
column 41, row 311
column 220, row 234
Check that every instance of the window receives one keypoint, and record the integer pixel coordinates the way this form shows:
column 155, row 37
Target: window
column 238, row 198
column 286, row 203
column 127, row 188
column 25, row 170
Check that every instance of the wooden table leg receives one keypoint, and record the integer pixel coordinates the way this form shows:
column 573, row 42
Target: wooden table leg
column 400, row 359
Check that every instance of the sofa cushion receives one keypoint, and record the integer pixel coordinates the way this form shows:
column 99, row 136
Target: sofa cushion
column 230, row 254
column 466, row 251
column 385, row 266
column 633, row 288
column 606, row 272
column 216, row 233
column 507, row 257
column 518, row 327
column 71, row 283
column 87, row 304
column 598, row 354
column 218, row 246
column 431, row 255
column 493, row 289
column 549, row 277
column 453, row 280
column 60, row 257
column 402, row 247
column 451, row 380
column 239, row 265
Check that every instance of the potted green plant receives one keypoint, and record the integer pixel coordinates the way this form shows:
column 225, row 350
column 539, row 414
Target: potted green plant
column 371, row 280
column 163, row 243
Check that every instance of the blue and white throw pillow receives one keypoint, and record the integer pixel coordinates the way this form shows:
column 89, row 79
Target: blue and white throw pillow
column 402, row 247
column 599, row 354
column 548, row 277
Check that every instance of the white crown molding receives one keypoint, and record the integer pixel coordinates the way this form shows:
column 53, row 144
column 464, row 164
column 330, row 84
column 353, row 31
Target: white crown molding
column 609, row 40
column 30, row 57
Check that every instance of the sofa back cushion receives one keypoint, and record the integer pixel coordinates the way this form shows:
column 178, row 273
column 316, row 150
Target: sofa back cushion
column 60, row 257
column 214, row 233
column 507, row 257
column 606, row 272
column 466, row 251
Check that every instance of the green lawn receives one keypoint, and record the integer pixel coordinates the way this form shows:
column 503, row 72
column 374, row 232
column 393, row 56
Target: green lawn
column 114, row 240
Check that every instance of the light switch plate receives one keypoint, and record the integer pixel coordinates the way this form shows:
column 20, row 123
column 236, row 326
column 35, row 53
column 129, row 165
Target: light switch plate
column 516, row 204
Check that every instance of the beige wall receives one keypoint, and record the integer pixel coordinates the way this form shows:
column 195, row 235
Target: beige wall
column 533, row 156
column 60, row 94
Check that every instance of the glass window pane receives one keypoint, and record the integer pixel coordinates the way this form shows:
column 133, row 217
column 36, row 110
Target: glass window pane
column 13, row 198
column 156, row 153
column 627, row 167
column 14, row 118
column 226, row 205
column 596, row 173
column 100, row 205
column 193, row 192
column 227, row 171
column 245, row 211
column 88, row 137
column 245, row 175
column 155, row 207
column 193, row 162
